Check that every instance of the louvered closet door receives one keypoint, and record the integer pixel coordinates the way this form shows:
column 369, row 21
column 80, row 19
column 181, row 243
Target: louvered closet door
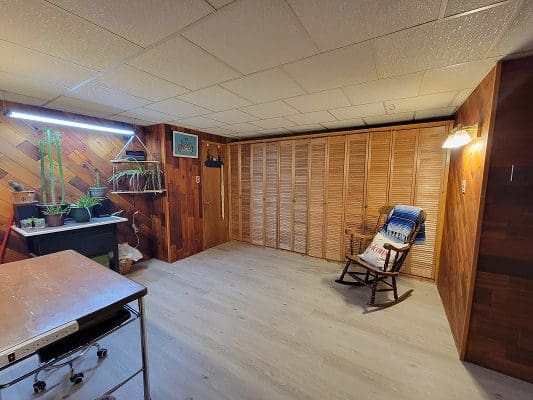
column 335, row 197
column 235, row 192
column 317, row 180
column 402, row 180
column 354, row 201
column 429, row 187
column 246, row 180
column 258, row 194
column 378, row 177
column 286, row 209
column 301, row 176
column 271, row 194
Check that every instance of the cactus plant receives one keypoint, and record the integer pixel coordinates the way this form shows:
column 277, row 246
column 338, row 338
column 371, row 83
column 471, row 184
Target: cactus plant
column 50, row 140
column 17, row 187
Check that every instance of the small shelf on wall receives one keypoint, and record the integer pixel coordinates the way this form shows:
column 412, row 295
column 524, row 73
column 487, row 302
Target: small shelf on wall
column 132, row 176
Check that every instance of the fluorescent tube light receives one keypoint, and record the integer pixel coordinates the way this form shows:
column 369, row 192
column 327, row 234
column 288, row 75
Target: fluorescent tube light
column 81, row 125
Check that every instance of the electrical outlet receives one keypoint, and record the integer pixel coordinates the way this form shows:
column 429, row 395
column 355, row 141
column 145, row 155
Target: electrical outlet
column 30, row 346
column 463, row 186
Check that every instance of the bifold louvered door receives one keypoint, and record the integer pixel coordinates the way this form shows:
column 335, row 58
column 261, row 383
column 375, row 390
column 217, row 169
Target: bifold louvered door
column 300, row 189
column 377, row 183
column 271, row 194
column 257, row 198
column 354, row 187
column 246, row 185
column 317, row 198
column 235, row 192
column 428, row 195
column 334, row 213
column 286, row 210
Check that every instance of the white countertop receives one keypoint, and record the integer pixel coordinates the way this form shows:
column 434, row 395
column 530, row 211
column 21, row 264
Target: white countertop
column 70, row 225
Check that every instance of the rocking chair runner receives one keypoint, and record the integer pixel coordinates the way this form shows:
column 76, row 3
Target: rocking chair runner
column 374, row 275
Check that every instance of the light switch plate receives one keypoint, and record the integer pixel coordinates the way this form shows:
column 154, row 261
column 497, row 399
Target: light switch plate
column 197, row 178
column 463, row 186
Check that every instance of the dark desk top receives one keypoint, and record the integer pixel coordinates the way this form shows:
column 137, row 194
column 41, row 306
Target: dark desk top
column 43, row 293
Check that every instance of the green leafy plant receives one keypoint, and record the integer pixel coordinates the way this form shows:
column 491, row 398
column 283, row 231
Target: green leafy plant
column 87, row 201
column 17, row 187
column 139, row 178
column 56, row 209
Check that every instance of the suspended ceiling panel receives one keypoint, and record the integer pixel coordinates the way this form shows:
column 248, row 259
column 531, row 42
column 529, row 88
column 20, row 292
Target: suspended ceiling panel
column 248, row 68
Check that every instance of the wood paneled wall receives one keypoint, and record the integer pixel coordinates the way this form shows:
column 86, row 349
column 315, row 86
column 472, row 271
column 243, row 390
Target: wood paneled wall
column 83, row 151
column 501, row 327
column 462, row 212
column 178, row 227
column 311, row 188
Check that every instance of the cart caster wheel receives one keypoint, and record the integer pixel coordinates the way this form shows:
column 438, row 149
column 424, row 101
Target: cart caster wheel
column 101, row 353
column 76, row 378
column 39, row 386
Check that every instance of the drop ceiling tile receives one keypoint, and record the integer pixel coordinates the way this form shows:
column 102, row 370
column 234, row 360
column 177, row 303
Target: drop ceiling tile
column 140, row 21
column 384, row 89
column 179, row 108
column 319, row 101
column 347, row 123
column 148, row 115
column 30, row 87
column 519, row 36
column 20, row 98
column 107, row 97
column 42, row 26
column 242, row 127
column 311, row 118
column 274, row 131
column 38, row 66
column 346, row 66
column 273, row 123
column 138, row 83
column 221, row 131
column 426, row 102
column 306, row 128
column 273, row 84
column 257, row 35
column 437, row 44
column 461, row 97
column 185, row 64
column 198, row 122
column 336, row 23
column 434, row 113
column 358, row 111
column 130, row 120
column 215, row 98
column 388, row 118
column 455, row 77
column 247, row 135
column 231, row 117
column 83, row 107
column 270, row 110
column 458, row 6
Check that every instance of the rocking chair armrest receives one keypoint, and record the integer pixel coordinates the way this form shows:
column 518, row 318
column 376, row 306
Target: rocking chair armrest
column 353, row 233
column 398, row 249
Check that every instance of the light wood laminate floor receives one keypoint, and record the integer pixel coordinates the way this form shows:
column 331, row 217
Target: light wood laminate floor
column 245, row 322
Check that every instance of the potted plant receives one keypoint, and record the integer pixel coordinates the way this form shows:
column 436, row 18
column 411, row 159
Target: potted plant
column 50, row 155
column 139, row 178
column 21, row 196
column 55, row 214
column 97, row 190
column 81, row 211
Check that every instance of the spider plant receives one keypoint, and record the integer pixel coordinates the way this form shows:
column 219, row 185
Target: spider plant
column 81, row 211
column 139, row 178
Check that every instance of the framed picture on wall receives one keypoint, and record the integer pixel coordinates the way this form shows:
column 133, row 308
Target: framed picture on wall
column 185, row 144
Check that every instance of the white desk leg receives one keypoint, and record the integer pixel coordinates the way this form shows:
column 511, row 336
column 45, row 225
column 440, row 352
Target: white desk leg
column 144, row 351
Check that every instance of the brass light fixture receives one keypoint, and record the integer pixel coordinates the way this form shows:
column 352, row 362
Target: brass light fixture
column 461, row 136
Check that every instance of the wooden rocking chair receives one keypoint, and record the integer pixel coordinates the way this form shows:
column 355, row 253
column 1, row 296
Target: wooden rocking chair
column 369, row 275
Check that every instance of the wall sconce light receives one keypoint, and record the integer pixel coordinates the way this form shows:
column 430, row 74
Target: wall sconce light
column 461, row 136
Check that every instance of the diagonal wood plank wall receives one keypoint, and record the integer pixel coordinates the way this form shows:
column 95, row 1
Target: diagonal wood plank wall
column 83, row 151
